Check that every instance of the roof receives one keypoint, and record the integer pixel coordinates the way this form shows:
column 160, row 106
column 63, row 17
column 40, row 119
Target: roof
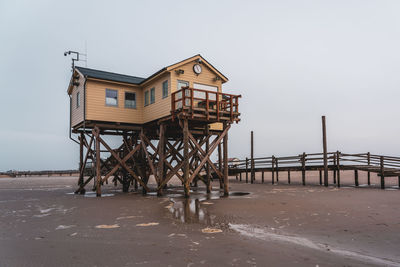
column 116, row 77
column 109, row 76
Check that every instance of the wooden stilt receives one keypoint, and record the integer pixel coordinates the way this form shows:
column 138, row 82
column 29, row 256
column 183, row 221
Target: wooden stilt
column 226, row 178
column 98, row 171
column 262, row 176
column 382, row 172
column 186, row 158
column 80, row 181
column 288, row 176
column 208, row 173
column 334, row 170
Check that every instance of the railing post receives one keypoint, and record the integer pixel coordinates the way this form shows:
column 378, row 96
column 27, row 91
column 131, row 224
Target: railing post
column 303, row 168
column 382, row 171
column 272, row 169
column 231, row 107
column 338, row 167
column 247, row 173
column 369, row 173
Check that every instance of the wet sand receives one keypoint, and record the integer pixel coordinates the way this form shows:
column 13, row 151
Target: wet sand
column 43, row 224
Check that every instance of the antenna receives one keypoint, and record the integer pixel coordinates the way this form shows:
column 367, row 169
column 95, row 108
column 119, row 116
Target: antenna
column 76, row 58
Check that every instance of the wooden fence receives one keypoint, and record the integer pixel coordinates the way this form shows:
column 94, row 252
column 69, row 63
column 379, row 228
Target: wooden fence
column 39, row 173
column 384, row 166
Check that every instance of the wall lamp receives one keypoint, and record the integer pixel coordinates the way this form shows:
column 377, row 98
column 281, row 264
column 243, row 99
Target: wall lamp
column 179, row 72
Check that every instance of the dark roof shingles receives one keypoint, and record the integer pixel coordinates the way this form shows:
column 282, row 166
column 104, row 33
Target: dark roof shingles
column 110, row 76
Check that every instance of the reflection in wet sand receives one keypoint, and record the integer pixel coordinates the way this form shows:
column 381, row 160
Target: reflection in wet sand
column 190, row 211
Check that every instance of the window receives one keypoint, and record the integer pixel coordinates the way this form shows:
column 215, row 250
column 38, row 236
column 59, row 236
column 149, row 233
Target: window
column 130, row 100
column 152, row 95
column 165, row 89
column 146, row 98
column 111, row 97
column 78, row 99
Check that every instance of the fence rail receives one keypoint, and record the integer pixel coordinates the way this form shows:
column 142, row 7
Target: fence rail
column 39, row 173
column 384, row 166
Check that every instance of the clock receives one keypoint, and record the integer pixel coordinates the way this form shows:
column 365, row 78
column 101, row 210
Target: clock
column 197, row 69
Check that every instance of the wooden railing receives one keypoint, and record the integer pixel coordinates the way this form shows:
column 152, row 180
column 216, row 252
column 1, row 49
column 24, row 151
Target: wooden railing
column 205, row 104
column 384, row 166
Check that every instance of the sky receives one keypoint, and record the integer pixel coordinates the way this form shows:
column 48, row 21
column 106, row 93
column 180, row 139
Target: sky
column 292, row 62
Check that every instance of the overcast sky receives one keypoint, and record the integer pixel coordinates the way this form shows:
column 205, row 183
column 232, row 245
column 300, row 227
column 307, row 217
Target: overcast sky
column 292, row 61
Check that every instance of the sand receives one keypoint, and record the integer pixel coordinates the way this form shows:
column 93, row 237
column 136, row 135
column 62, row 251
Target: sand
column 43, row 224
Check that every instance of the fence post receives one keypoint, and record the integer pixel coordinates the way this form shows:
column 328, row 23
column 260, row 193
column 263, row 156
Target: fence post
column 382, row 174
column 240, row 176
column 338, row 167
column 303, row 168
column 320, row 177
column 253, row 175
column 277, row 171
column 334, row 169
column 369, row 173
column 288, row 176
column 273, row 170
column 247, row 170
column 325, row 151
column 262, row 176
column 356, row 177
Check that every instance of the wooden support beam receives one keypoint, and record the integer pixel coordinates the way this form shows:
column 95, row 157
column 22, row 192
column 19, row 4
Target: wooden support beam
column 98, row 171
column 369, row 173
column 186, row 173
column 277, row 170
column 212, row 148
column 325, row 151
column 253, row 175
column 303, row 168
column 338, row 167
column 208, row 173
column 288, row 176
column 356, row 178
column 262, row 176
column 161, row 157
column 82, row 136
column 220, row 159
column 382, row 172
column 226, row 178
column 320, row 177
column 123, row 164
column 149, row 159
column 273, row 169
column 334, row 169
column 247, row 173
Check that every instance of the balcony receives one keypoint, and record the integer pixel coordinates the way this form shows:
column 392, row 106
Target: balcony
column 205, row 105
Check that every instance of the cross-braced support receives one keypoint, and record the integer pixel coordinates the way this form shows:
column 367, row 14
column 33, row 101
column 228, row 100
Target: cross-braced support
column 163, row 153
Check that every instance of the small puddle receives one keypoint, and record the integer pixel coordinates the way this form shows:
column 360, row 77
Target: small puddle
column 194, row 209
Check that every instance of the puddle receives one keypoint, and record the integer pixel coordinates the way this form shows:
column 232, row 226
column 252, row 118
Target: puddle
column 194, row 209
column 91, row 194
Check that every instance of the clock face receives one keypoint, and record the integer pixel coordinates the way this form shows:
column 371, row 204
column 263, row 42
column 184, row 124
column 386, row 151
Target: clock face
column 197, row 69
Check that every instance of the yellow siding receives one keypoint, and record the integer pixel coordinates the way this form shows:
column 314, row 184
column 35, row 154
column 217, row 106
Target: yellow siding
column 162, row 106
column 207, row 76
column 77, row 112
column 96, row 108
